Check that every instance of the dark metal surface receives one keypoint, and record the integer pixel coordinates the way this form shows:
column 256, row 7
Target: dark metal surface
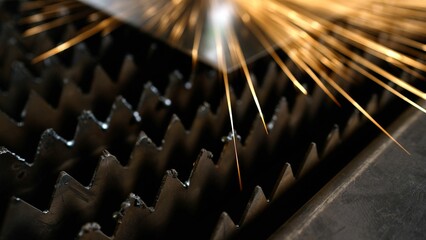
column 379, row 195
column 61, row 119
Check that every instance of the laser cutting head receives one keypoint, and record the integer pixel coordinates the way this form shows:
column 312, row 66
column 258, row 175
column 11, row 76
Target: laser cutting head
column 189, row 26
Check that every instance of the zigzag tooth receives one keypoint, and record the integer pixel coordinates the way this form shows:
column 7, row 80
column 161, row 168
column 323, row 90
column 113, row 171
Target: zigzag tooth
column 72, row 197
column 177, row 139
column 121, row 114
column 92, row 231
column 12, row 53
column 200, row 131
column 171, row 194
column 121, row 106
column 39, row 224
column 52, row 155
column 268, row 83
column 222, row 114
column 206, row 119
column 89, row 129
column 386, row 97
column 205, row 123
column 219, row 160
column 69, row 32
column 155, row 110
column 309, row 162
column 150, row 94
column 107, row 42
column 102, row 94
column 149, row 166
column 38, row 114
column 333, row 140
column 256, row 205
column 250, row 150
column 190, row 140
column 14, row 100
column 82, row 55
column 51, row 78
column 153, row 219
column 52, row 151
column 82, row 67
column 110, row 173
column 373, row 105
column 275, row 85
column 110, row 184
column 146, row 156
column 133, row 212
column 253, row 142
column 42, row 43
column 92, row 135
column 175, row 130
column 72, row 98
column 7, row 36
column 19, row 214
column 176, row 86
column 128, row 69
column 202, row 118
column 69, row 192
column 12, row 167
column 246, row 98
column 144, row 148
column 285, row 181
column 184, row 96
column 226, row 163
column 220, row 119
column 72, row 102
column 278, row 123
column 170, row 186
column 225, row 228
column 12, row 133
column 205, row 83
column 51, row 144
column 202, row 174
column 299, row 109
column 102, row 75
column 352, row 124
column 317, row 98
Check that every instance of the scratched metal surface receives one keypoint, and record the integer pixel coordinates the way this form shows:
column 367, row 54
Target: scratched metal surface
column 380, row 195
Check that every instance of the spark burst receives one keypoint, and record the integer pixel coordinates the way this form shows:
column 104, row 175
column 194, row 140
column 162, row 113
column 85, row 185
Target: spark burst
column 227, row 34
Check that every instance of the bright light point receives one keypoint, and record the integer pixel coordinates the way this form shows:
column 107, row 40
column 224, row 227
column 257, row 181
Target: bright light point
column 137, row 117
column 70, row 143
column 221, row 14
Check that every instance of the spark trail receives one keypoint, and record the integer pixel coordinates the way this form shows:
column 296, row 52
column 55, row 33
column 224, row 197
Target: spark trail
column 228, row 34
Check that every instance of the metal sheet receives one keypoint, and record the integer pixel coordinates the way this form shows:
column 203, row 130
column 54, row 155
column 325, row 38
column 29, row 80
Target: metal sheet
column 379, row 195
column 167, row 20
